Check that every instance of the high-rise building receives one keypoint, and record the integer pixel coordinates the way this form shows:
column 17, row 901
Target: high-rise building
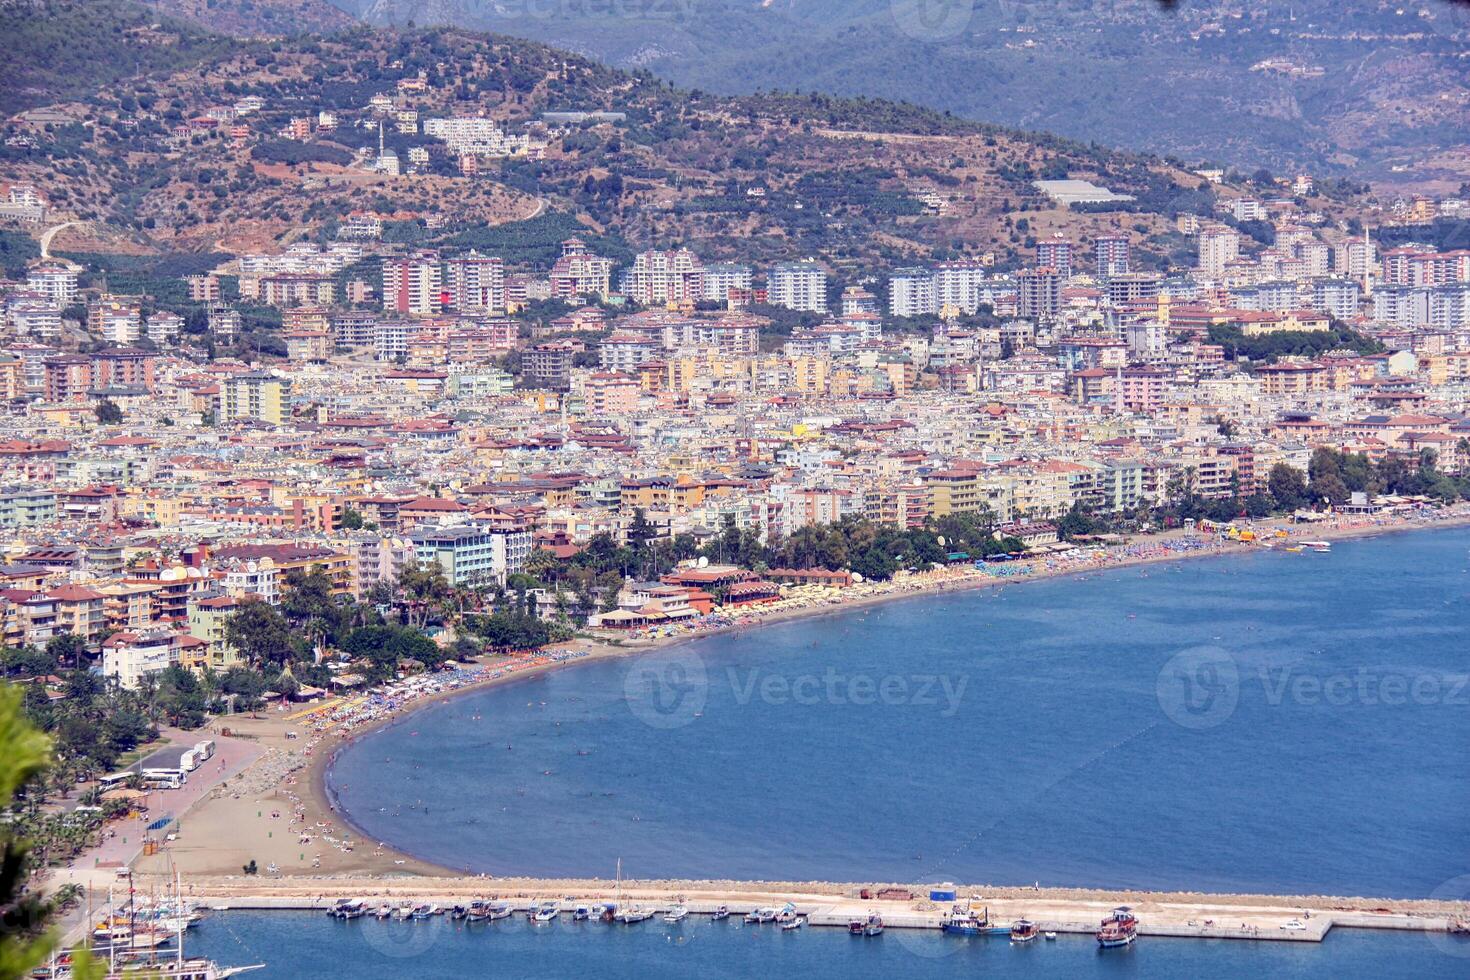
column 720, row 278
column 1055, row 253
column 1112, row 254
column 665, row 277
column 475, row 283
column 1218, row 247
column 959, row 285
column 798, row 286
column 911, row 292
column 580, row 273
column 412, row 284
column 253, row 395
column 1040, row 292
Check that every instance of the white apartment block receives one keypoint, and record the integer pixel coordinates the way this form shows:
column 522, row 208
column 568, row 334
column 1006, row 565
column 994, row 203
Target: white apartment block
column 912, row 292
column 720, row 278
column 798, row 286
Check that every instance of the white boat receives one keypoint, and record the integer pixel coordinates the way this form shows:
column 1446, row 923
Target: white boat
column 582, row 914
column 722, row 912
column 1295, row 925
column 762, row 915
column 546, row 912
column 383, row 912
column 793, row 924
column 676, row 914
column 424, row 911
column 634, row 915
column 1051, row 937
column 1318, row 545
column 499, row 910
column 787, row 914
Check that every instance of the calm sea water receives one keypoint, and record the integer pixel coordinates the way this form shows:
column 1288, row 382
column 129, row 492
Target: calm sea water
column 1266, row 722
column 305, row 945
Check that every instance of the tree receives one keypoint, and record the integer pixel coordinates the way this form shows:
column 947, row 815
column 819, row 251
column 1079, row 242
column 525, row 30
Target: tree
column 351, row 520
column 25, row 754
column 260, row 633
column 108, row 413
column 1287, row 485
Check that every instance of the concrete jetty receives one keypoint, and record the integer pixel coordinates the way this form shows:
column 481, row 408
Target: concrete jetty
column 1275, row 920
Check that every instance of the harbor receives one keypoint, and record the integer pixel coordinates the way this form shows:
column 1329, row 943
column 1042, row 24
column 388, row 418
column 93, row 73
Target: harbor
column 827, row 905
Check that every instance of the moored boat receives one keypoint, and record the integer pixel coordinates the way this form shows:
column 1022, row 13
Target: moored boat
column 499, row 910
column 546, row 912
column 1120, row 928
column 676, row 914
column 874, row 926
column 581, row 914
column 761, row 916
column 477, row 912
column 720, row 912
column 791, row 925
column 1023, row 931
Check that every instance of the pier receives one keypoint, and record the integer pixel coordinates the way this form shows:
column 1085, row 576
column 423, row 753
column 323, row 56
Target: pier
column 902, row 908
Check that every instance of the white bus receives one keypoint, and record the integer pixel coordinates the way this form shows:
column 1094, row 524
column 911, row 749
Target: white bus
column 117, row 780
column 204, row 751
column 165, row 778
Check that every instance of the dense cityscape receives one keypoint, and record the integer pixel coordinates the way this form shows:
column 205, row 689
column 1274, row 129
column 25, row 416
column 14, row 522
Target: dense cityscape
column 443, row 373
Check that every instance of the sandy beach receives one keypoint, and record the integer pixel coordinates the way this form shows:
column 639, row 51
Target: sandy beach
column 278, row 814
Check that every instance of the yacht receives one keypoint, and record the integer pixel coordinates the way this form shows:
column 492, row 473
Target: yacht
column 582, row 914
column 1120, row 928
column 676, row 914
column 546, row 912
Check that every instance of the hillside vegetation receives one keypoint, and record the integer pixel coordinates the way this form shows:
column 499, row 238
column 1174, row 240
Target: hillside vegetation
column 1350, row 88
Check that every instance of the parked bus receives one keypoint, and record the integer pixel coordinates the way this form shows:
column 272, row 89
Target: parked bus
column 165, row 778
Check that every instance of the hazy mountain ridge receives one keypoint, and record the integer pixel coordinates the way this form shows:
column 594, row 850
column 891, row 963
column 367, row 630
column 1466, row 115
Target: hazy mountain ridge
column 1124, row 74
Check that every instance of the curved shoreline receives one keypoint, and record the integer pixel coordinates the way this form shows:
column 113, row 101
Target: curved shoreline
column 393, row 861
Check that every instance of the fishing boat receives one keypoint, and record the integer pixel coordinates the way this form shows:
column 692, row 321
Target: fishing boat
column 383, row 912
column 546, row 912
column 676, row 914
column 787, row 914
column 581, row 913
column 720, row 912
column 965, row 921
column 1023, row 931
column 1120, row 928
column 459, row 913
column 423, row 911
column 761, row 916
column 499, row 910
column 793, row 925
column 477, row 912
column 609, row 912
column 873, row 926
column 348, row 908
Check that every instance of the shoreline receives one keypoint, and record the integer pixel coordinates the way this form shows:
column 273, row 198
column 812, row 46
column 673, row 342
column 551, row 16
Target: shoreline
column 305, row 787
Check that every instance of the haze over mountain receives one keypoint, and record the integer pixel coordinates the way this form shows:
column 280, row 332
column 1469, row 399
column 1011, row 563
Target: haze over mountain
column 1372, row 89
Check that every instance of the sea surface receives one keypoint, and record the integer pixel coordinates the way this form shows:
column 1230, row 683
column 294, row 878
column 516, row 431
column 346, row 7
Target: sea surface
column 1269, row 722
column 295, row 944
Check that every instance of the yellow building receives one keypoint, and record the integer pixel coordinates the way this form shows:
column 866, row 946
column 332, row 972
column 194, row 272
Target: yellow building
column 255, row 395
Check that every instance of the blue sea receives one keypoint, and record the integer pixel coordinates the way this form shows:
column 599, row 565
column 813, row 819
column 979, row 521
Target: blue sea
column 1269, row 722
column 295, row 944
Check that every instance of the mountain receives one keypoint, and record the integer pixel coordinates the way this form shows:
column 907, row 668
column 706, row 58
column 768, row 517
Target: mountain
column 1374, row 90
column 259, row 18
column 140, row 141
